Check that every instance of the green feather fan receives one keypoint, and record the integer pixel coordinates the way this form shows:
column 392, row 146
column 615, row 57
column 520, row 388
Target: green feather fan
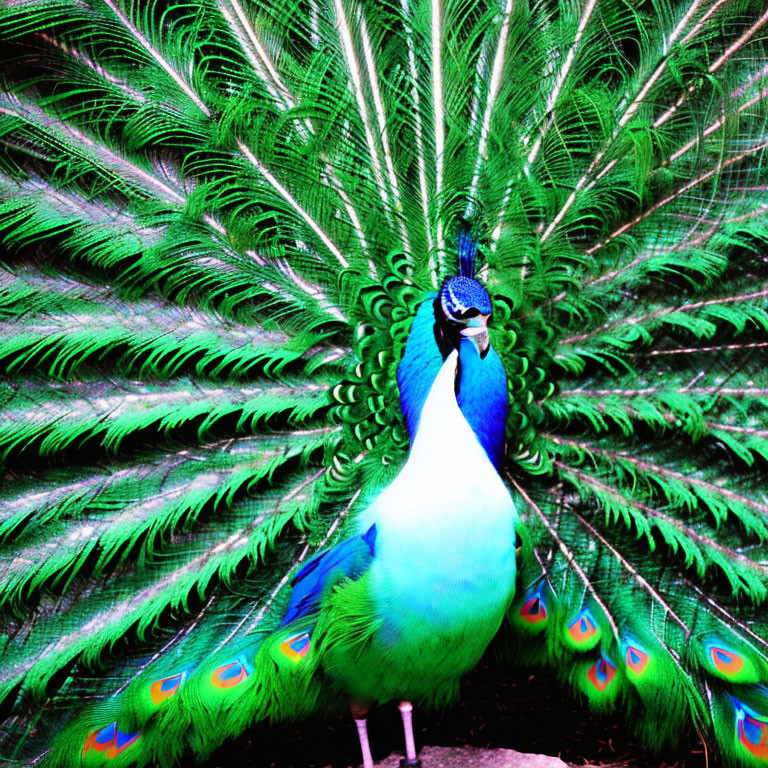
column 217, row 221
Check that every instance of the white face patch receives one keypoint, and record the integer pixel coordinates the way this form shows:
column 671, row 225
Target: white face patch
column 451, row 304
column 458, row 304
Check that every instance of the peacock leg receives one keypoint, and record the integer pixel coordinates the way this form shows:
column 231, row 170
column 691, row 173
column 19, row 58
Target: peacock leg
column 406, row 713
column 359, row 712
column 365, row 747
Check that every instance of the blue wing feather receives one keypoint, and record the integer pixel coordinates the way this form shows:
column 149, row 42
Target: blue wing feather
column 347, row 558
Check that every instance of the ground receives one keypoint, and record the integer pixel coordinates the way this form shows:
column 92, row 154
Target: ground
column 476, row 757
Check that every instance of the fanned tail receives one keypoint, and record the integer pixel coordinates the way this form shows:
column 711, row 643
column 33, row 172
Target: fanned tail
column 220, row 218
column 645, row 581
column 182, row 704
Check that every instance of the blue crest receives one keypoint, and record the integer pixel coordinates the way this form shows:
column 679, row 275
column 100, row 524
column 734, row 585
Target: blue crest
column 467, row 254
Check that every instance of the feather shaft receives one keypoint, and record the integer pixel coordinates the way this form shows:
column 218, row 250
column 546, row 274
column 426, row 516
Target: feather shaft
column 439, row 128
column 568, row 554
column 144, row 43
column 291, row 200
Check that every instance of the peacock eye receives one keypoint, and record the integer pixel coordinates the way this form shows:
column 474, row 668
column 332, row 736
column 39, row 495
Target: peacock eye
column 469, row 313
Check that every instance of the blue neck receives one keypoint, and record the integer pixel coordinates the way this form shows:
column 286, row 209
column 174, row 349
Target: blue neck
column 483, row 398
column 482, row 393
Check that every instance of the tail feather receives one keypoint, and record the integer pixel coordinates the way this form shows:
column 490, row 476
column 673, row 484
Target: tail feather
column 219, row 220
column 159, row 717
column 680, row 661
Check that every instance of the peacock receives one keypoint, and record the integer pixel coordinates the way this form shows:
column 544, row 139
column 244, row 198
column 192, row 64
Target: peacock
column 341, row 339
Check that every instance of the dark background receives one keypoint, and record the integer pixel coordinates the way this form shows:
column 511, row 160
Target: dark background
column 525, row 710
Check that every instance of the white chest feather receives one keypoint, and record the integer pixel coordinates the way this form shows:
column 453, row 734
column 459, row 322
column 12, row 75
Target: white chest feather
column 445, row 542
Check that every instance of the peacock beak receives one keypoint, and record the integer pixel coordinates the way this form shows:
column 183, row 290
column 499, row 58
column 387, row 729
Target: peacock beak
column 476, row 330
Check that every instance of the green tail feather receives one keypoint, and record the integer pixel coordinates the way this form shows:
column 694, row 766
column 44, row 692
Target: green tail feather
column 217, row 221
column 159, row 719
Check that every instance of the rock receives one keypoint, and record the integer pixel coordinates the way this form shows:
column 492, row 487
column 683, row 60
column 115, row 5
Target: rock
column 474, row 757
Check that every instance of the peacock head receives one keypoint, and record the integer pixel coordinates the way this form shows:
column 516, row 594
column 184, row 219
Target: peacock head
column 462, row 309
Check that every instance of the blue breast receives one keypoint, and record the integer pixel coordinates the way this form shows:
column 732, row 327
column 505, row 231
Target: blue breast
column 482, row 395
column 483, row 398
column 419, row 366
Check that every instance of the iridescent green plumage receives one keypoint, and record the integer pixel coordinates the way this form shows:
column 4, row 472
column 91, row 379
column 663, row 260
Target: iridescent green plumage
column 219, row 219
